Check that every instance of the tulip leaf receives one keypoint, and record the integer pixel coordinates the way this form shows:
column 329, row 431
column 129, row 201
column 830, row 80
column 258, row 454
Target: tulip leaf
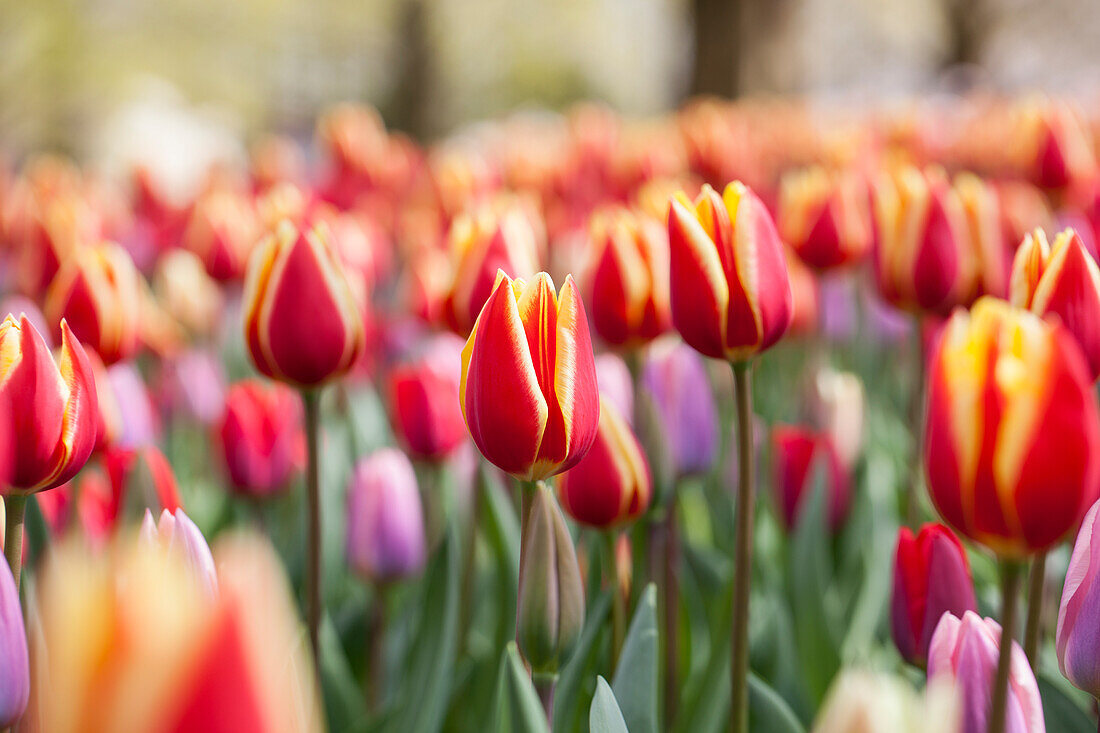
column 1060, row 712
column 429, row 667
column 605, row 716
column 635, row 681
column 343, row 699
column 501, row 529
column 518, row 709
column 768, row 711
column 568, row 710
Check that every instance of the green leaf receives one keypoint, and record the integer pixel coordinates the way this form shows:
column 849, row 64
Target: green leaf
column 344, row 706
column 605, row 716
column 768, row 712
column 705, row 706
column 1060, row 712
column 635, row 682
column 518, row 709
column 422, row 699
column 568, row 710
column 501, row 529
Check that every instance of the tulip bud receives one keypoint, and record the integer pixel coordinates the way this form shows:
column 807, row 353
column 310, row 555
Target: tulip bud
column 616, row 384
column 178, row 534
column 97, row 292
column 866, row 702
column 187, row 293
column 836, row 406
column 222, row 230
column 731, row 296
column 825, row 217
column 1079, row 612
column 676, row 378
column 963, row 654
column 261, row 437
column 1062, row 280
column 528, row 388
column 302, row 323
column 141, row 477
column 1056, row 146
column 57, row 228
column 628, row 278
column 15, row 680
column 983, row 223
column 550, row 612
column 54, row 407
column 425, row 409
column 481, row 245
column 385, row 536
column 612, row 483
column 1012, row 432
column 931, row 577
column 109, row 414
column 796, row 455
column 805, row 307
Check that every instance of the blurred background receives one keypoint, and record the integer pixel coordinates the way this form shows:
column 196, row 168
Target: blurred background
column 85, row 76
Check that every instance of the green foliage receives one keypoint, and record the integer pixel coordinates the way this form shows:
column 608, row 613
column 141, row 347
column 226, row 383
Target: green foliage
column 635, row 682
column 605, row 716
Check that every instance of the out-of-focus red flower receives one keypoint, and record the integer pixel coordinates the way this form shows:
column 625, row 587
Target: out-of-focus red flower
column 188, row 294
column 991, row 263
column 261, row 437
column 53, row 231
column 806, row 296
column 221, row 231
column 797, row 453
column 825, row 216
column 424, row 405
column 1056, row 145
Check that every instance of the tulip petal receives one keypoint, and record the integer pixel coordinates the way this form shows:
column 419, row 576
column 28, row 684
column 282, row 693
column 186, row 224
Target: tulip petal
column 700, row 294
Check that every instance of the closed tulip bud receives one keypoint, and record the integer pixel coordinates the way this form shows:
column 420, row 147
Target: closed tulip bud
column 302, row 323
column 109, row 414
column 805, row 305
column 187, row 293
column 481, row 244
column 550, row 612
column 628, row 278
column 97, row 292
column 15, row 680
column 141, row 478
column 176, row 532
column 676, row 378
column 922, row 258
column 1012, row 432
column 866, row 702
column 528, row 389
column 1055, row 145
column 931, row 577
column 1079, row 612
column 221, row 231
column 987, row 245
column 1061, row 280
column 611, row 484
column 385, row 536
column 616, row 384
column 54, row 407
column 423, row 394
column 261, row 437
column 825, row 217
column 963, row 654
column 797, row 455
column 731, row 295
column 56, row 229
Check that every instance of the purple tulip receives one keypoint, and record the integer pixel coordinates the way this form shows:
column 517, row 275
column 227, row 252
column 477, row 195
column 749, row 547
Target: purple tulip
column 613, row 379
column 179, row 535
column 1078, row 637
column 963, row 653
column 15, row 678
column 385, row 534
column 676, row 379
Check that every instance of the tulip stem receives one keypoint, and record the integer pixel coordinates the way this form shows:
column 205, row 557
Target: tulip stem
column 469, row 557
column 312, row 403
column 527, row 491
column 916, row 415
column 544, row 686
column 376, row 657
column 671, row 538
column 1010, row 584
column 15, row 506
column 1033, row 630
column 618, row 603
column 739, row 641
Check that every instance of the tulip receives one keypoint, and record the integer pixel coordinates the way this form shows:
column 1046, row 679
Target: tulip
column 1076, row 640
column 109, row 415
column 982, row 209
column 138, row 415
column 528, row 388
column 825, row 217
column 56, row 230
column 385, row 536
column 302, row 323
column 260, row 437
column 628, row 278
column 931, row 577
column 221, row 231
column 481, row 245
column 836, row 405
column 805, row 306
column 97, row 292
column 866, row 702
column 616, row 384
column 14, row 667
column 1012, row 431
column 187, row 293
column 142, row 477
column 192, row 384
column 731, row 296
column 1061, row 280
column 1056, row 146
column 611, row 484
column 797, row 454
column 550, row 610
column 425, row 409
column 176, row 532
column 963, row 653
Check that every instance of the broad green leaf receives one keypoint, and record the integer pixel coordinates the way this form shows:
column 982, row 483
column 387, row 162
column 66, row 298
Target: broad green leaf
column 1060, row 712
column 344, row 705
column 605, row 716
column 518, row 709
column 768, row 711
column 500, row 527
column 705, row 703
column 568, row 700
column 635, row 681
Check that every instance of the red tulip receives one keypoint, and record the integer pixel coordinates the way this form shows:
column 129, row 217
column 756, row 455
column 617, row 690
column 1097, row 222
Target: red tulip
column 261, row 436
column 302, row 323
column 528, row 389
column 825, row 217
column 1056, row 145
column 1012, row 432
column 222, row 231
column 731, row 296
column 424, row 406
column 982, row 209
column 796, row 454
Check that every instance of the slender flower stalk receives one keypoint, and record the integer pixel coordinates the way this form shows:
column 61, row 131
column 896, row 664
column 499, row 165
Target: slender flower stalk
column 618, row 602
column 739, row 659
column 376, row 657
column 544, row 686
column 1035, row 593
column 1011, row 571
column 15, row 506
column 311, row 401
column 671, row 540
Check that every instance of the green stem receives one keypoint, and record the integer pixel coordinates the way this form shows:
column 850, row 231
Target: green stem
column 526, row 495
column 15, row 506
column 916, row 421
column 1010, row 585
column 376, row 658
column 1033, row 629
column 739, row 641
column 618, row 603
column 544, row 686
column 311, row 401
column 671, row 537
column 469, row 558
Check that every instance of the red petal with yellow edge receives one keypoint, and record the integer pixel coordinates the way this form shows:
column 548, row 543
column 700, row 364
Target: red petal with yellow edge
column 575, row 384
column 79, row 424
column 613, row 286
column 256, row 284
column 771, row 280
column 822, row 247
column 1070, row 289
column 699, row 293
column 950, row 492
column 1027, row 268
column 936, row 268
column 504, row 407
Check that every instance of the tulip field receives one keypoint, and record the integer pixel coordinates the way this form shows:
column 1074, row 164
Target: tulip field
column 759, row 416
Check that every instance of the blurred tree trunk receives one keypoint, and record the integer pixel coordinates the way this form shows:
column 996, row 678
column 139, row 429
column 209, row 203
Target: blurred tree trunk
column 966, row 19
column 408, row 107
column 717, row 67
